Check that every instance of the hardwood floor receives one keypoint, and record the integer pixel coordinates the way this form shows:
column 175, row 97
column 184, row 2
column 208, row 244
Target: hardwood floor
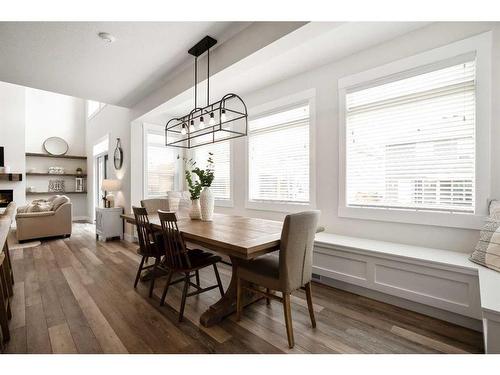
column 76, row 295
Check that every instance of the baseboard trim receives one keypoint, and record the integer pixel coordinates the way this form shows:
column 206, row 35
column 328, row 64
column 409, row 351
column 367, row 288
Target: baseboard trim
column 447, row 316
column 82, row 218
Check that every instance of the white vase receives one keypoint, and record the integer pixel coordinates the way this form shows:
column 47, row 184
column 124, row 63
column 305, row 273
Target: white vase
column 195, row 212
column 207, row 204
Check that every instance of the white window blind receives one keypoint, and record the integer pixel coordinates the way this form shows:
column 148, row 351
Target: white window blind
column 161, row 164
column 410, row 143
column 221, row 186
column 278, row 160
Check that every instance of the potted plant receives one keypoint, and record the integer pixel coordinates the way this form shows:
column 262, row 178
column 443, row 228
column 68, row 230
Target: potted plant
column 201, row 196
column 194, row 188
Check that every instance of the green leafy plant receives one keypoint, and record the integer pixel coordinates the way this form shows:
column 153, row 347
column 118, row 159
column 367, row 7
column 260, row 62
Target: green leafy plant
column 204, row 177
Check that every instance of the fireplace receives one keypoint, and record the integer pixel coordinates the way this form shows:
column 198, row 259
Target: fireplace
column 6, row 196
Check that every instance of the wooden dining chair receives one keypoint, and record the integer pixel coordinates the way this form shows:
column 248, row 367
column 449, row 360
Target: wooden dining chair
column 5, row 312
column 289, row 271
column 180, row 259
column 149, row 246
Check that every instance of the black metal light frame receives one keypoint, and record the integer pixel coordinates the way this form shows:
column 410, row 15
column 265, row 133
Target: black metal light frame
column 174, row 126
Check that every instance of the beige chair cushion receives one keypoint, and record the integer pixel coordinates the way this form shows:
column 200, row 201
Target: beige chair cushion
column 39, row 207
column 59, row 201
column 263, row 271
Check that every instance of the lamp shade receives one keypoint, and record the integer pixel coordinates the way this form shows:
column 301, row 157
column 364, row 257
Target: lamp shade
column 111, row 185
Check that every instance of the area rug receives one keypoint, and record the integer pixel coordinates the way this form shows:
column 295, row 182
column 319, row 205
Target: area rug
column 14, row 244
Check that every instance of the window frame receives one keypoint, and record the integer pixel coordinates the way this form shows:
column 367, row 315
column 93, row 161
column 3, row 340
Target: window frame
column 178, row 180
column 479, row 45
column 225, row 202
column 276, row 106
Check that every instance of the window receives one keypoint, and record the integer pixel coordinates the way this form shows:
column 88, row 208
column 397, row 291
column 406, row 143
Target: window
column 100, row 154
column 410, row 143
column 161, row 164
column 221, row 185
column 278, row 157
column 414, row 138
column 101, row 167
column 93, row 108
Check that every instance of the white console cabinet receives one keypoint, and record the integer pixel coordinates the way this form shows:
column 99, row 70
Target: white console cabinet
column 108, row 222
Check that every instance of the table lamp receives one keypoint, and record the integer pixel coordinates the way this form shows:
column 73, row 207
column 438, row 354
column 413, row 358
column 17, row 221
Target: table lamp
column 108, row 186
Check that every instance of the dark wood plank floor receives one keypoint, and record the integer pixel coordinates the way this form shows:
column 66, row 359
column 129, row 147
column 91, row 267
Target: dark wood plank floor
column 75, row 296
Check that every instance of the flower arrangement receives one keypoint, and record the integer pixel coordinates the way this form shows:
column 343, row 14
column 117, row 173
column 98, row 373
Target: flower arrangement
column 204, row 177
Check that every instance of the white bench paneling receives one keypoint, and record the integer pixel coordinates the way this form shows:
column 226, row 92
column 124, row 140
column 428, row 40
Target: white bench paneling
column 441, row 279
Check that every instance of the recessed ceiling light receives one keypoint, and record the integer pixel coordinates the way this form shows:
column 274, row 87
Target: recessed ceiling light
column 107, row 37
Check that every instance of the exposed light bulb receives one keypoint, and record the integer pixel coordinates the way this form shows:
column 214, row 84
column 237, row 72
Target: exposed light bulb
column 211, row 122
column 202, row 123
column 223, row 117
column 191, row 127
column 183, row 129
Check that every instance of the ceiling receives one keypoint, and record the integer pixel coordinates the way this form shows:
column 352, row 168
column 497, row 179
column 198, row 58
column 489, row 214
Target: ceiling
column 69, row 58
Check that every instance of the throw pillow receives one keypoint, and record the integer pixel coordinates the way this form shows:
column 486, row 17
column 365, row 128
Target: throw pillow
column 487, row 250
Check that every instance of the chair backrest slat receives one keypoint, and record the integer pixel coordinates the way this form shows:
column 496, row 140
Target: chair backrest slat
column 296, row 249
column 145, row 232
column 175, row 248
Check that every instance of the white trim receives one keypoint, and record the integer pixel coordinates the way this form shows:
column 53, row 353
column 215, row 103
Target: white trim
column 129, row 237
column 279, row 105
column 481, row 45
column 81, row 218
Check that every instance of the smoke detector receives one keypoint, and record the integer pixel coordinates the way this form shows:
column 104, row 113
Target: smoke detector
column 107, row 37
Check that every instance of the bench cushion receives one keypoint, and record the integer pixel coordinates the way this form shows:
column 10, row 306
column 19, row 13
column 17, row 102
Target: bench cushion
column 487, row 250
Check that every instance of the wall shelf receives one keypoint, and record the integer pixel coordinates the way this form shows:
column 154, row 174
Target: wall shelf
column 56, row 174
column 54, row 192
column 11, row 176
column 35, row 154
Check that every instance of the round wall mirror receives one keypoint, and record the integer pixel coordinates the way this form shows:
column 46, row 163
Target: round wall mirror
column 55, row 146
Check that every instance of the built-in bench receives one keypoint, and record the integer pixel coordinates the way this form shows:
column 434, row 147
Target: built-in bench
column 436, row 282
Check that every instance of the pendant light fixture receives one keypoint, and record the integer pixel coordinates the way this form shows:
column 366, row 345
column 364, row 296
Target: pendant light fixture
column 215, row 122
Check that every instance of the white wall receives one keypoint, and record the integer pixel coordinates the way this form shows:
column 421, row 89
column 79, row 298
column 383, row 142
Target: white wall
column 55, row 115
column 12, row 120
column 115, row 122
column 324, row 81
column 27, row 118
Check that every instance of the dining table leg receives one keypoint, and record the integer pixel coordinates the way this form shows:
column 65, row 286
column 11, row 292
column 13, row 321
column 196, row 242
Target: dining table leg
column 227, row 304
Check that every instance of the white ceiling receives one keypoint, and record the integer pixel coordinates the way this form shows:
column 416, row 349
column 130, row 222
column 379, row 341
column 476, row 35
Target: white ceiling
column 69, row 57
column 310, row 46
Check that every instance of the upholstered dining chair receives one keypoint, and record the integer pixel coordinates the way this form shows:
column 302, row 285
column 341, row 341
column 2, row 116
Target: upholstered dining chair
column 289, row 271
column 152, row 205
column 149, row 247
column 180, row 259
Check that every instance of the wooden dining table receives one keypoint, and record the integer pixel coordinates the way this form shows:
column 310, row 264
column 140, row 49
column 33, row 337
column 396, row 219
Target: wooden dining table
column 238, row 237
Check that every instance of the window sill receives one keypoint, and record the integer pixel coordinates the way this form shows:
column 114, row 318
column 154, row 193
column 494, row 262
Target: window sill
column 224, row 203
column 278, row 207
column 441, row 219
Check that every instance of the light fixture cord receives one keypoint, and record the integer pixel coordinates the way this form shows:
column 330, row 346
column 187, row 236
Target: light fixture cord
column 195, row 79
column 208, row 77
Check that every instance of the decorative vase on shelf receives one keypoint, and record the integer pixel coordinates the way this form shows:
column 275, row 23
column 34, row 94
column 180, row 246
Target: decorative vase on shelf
column 207, row 204
column 195, row 212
